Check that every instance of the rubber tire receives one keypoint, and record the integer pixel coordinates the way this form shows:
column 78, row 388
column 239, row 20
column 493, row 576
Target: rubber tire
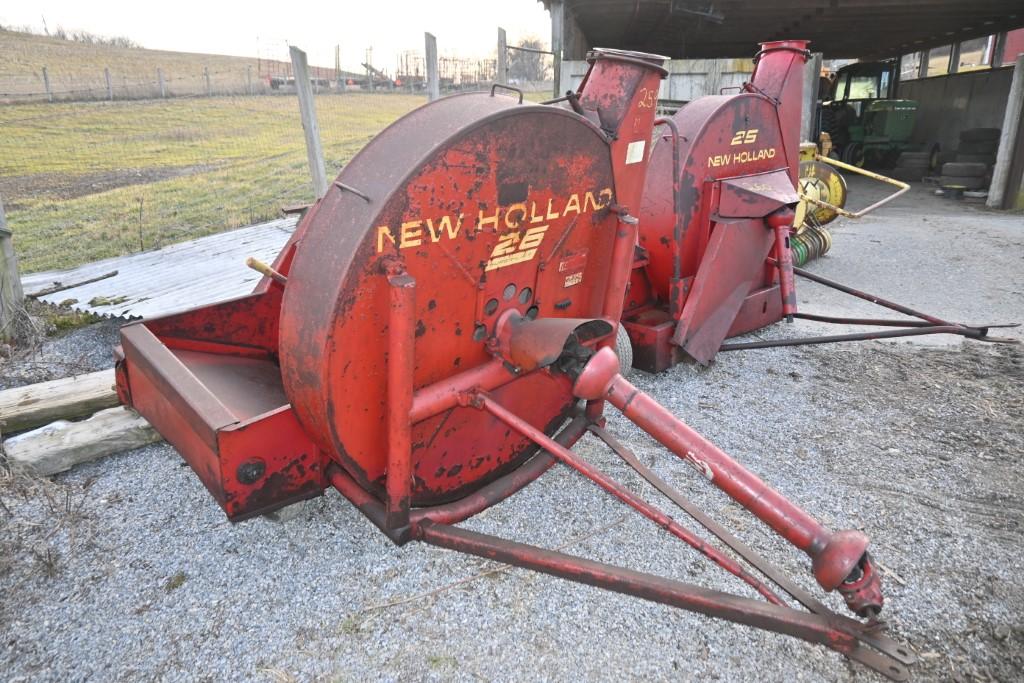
column 980, row 134
column 965, row 169
column 986, row 159
column 624, row 349
column 966, row 182
column 914, row 165
column 908, row 175
column 984, row 147
column 914, row 159
column 854, row 152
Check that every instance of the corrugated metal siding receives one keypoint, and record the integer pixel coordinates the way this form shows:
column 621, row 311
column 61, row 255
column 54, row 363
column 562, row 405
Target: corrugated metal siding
column 172, row 279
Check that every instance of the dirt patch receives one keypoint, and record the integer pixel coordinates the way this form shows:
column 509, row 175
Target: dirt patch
column 67, row 186
column 936, row 437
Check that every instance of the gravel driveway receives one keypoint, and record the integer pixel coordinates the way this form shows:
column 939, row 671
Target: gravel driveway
column 125, row 569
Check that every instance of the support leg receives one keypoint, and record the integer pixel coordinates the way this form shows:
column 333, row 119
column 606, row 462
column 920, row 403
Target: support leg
column 401, row 363
column 840, row 560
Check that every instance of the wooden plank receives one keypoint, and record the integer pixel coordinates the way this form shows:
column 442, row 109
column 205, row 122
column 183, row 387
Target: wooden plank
column 61, row 445
column 61, row 287
column 61, row 399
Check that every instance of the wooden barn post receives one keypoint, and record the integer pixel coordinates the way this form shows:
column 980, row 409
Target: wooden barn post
column 557, row 41
column 1000, row 194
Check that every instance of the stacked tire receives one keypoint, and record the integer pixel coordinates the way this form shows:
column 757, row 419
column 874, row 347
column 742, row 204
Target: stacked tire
column 975, row 157
column 978, row 146
column 967, row 175
column 912, row 166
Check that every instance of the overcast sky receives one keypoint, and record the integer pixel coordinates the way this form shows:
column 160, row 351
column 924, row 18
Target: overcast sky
column 463, row 27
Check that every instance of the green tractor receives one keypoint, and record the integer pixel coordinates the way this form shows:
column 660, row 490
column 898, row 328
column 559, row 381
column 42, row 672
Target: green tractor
column 867, row 125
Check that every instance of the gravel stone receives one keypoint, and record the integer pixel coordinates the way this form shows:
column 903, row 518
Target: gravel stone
column 125, row 569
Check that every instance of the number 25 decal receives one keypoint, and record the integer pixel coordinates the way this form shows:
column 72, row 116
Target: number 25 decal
column 647, row 98
column 744, row 137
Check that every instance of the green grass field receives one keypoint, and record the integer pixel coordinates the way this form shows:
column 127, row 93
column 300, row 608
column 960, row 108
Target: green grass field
column 84, row 181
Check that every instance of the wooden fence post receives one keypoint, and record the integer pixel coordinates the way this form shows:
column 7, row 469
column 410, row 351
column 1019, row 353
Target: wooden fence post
column 11, row 293
column 501, row 75
column 369, row 68
column 206, row 77
column 307, row 109
column 433, row 80
column 160, row 81
column 248, row 78
column 110, row 85
column 46, row 84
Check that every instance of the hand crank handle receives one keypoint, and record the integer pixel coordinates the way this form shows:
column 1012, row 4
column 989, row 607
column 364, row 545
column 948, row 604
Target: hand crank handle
column 839, row 559
column 264, row 269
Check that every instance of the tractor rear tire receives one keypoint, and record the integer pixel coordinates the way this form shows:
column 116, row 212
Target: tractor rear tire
column 986, row 159
column 624, row 349
column 966, row 182
column 983, row 147
column 853, row 154
column 965, row 169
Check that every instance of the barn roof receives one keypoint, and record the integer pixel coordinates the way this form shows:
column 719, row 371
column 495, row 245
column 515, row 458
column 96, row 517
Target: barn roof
column 838, row 28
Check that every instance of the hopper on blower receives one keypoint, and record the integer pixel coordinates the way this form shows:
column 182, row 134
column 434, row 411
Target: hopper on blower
column 438, row 333
column 716, row 238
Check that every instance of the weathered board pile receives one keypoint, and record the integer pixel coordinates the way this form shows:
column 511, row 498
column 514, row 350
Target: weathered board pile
column 52, row 436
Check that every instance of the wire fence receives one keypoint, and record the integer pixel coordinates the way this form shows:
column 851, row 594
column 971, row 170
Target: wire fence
column 99, row 161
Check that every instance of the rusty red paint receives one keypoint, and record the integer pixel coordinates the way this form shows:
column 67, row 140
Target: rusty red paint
column 702, row 217
column 419, row 354
column 831, row 631
column 616, row 489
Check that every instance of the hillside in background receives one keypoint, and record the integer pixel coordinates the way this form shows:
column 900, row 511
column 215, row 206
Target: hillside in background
column 76, row 70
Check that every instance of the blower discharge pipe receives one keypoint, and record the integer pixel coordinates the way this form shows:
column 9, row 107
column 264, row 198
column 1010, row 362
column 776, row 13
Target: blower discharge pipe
column 621, row 89
column 839, row 559
column 778, row 75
